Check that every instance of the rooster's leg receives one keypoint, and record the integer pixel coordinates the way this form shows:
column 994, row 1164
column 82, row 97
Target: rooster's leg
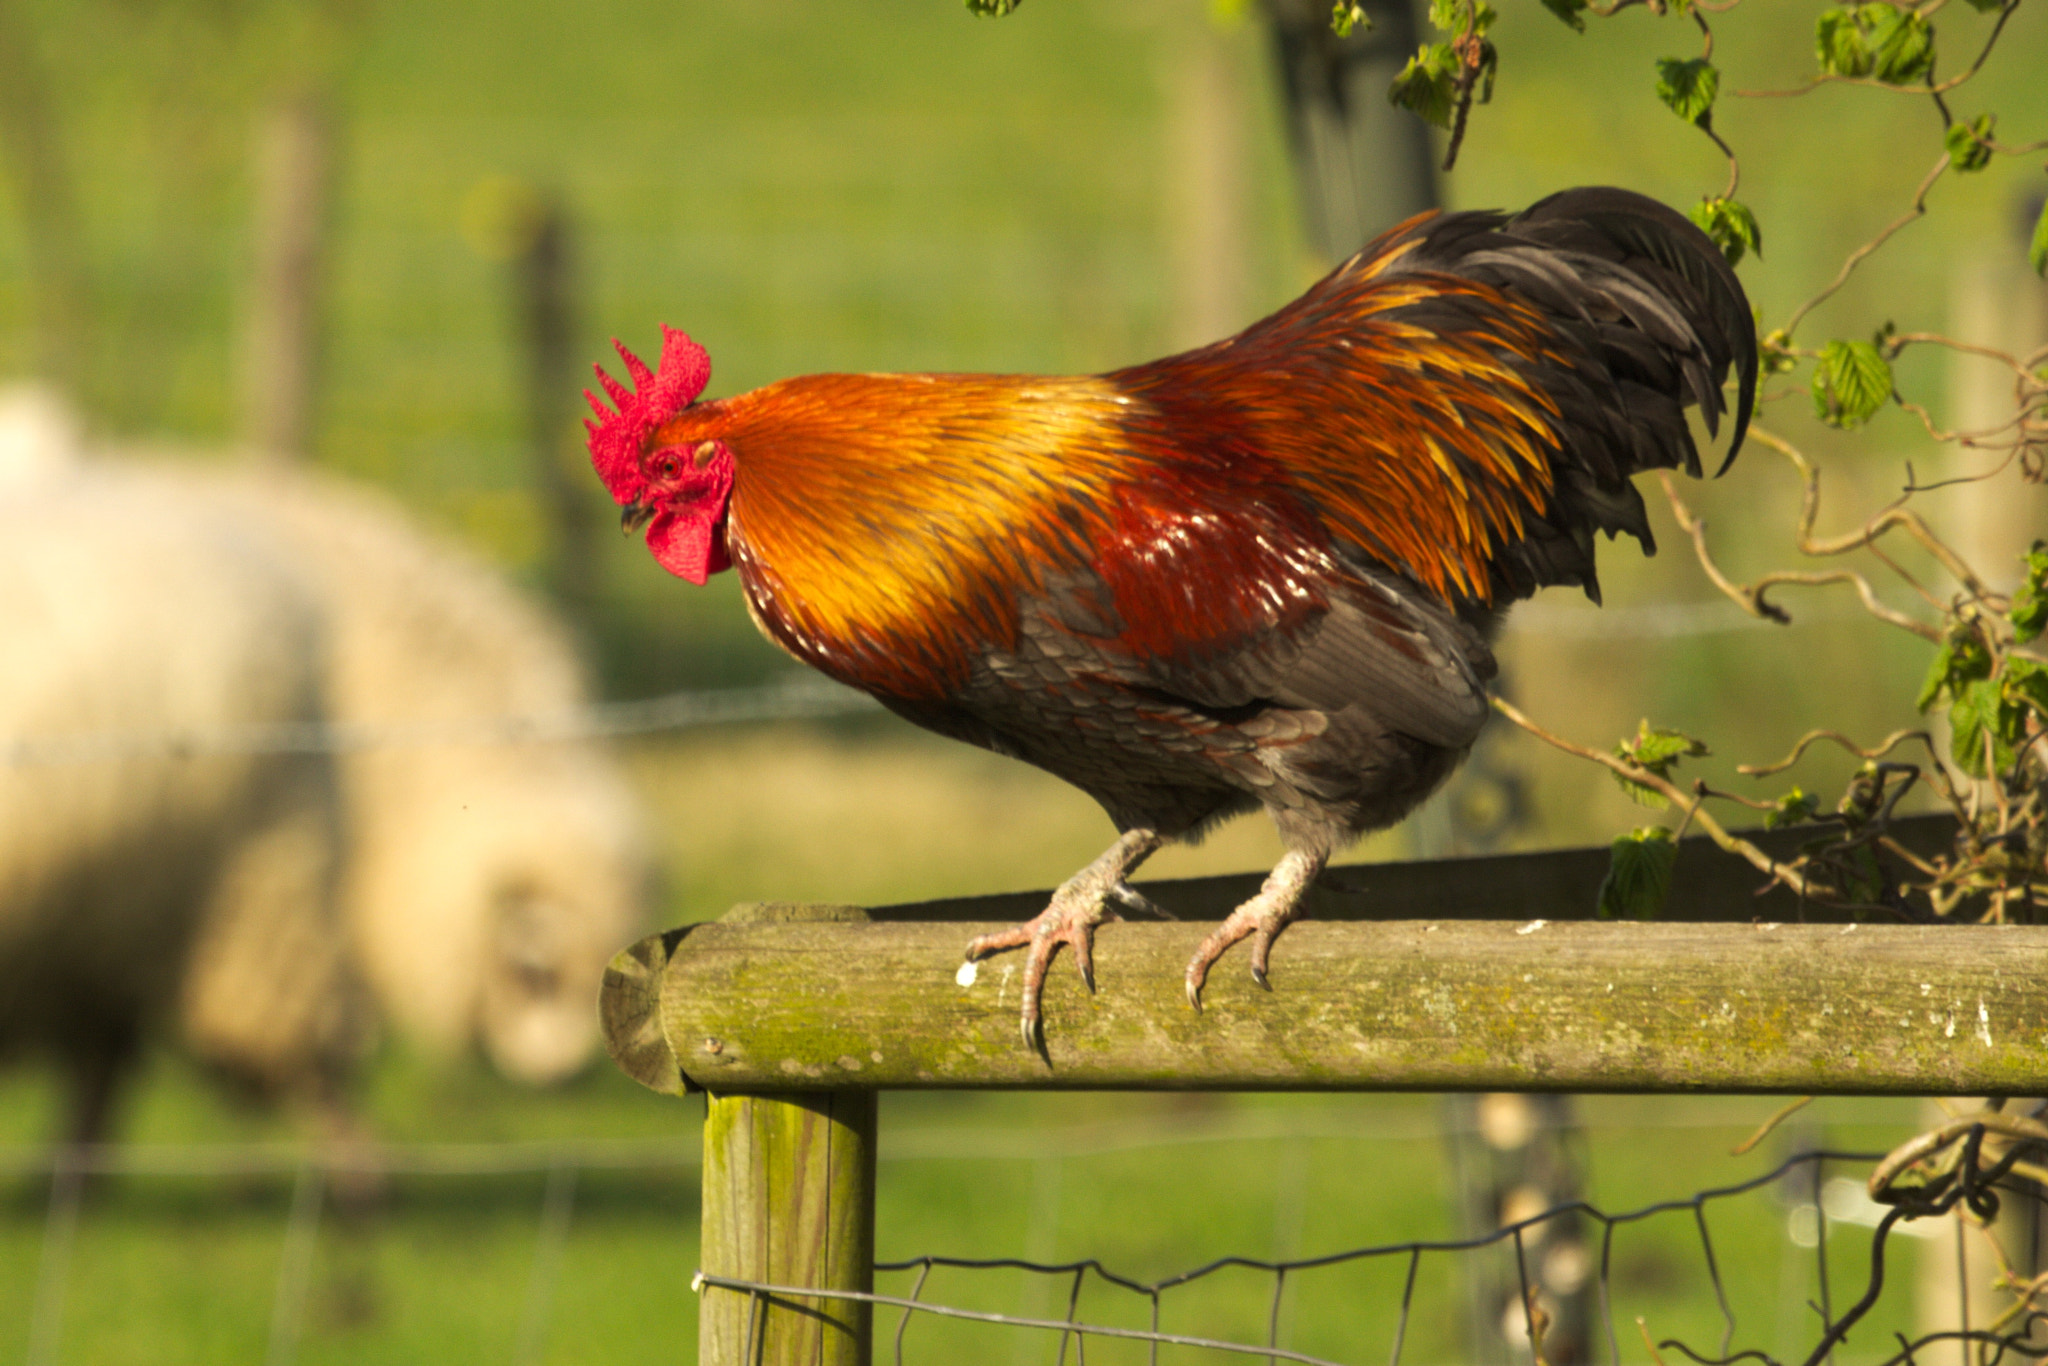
column 1082, row 902
column 1260, row 919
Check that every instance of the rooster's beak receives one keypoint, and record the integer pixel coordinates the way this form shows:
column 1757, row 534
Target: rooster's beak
column 634, row 516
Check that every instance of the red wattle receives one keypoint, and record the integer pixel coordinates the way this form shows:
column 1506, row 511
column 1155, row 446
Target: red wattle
column 689, row 544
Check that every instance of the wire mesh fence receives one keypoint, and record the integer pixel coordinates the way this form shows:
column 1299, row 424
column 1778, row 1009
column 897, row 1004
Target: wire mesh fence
column 1802, row 1233
column 2018, row 1335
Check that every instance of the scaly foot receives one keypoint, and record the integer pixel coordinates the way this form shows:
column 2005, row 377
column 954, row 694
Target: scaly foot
column 1260, row 919
column 1082, row 902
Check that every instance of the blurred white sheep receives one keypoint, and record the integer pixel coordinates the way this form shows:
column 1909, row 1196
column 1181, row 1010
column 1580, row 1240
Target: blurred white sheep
column 270, row 910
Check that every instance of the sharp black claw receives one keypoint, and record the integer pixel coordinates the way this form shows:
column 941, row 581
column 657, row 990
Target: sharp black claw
column 1195, row 997
column 1088, row 978
column 1259, row 976
column 1034, row 1040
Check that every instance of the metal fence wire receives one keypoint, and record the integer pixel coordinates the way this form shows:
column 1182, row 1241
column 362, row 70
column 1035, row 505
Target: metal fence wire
column 1908, row 1184
column 1970, row 1167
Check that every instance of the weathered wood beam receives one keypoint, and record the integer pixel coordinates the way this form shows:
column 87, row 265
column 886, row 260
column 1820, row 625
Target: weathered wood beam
column 1400, row 1005
column 789, row 1199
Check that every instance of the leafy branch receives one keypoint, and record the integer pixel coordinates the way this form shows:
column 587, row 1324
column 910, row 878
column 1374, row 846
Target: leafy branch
column 1988, row 677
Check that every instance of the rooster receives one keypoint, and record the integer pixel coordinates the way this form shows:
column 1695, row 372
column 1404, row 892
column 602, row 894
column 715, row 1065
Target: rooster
column 1261, row 573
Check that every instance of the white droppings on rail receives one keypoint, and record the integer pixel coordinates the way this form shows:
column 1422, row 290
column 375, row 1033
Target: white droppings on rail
column 1983, row 1022
column 1532, row 927
column 1849, row 928
column 968, row 972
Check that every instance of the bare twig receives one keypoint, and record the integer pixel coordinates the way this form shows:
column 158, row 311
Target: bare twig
column 1858, row 256
column 1689, row 802
column 1814, row 737
column 1778, row 1116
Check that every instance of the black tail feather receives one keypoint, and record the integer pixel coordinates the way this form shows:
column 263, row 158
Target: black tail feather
column 1656, row 319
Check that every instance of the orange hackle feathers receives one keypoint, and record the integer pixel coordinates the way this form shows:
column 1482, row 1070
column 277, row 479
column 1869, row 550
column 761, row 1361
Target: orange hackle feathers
column 888, row 525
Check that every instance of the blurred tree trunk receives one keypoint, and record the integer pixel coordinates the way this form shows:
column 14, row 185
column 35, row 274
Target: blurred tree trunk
column 32, row 146
column 1210, row 237
column 1996, row 301
column 295, row 165
column 1362, row 164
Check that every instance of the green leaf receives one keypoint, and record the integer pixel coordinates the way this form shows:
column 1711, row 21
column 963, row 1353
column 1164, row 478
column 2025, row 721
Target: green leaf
column 1850, row 384
column 1841, row 39
column 1961, row 660
column 1732, row 226
column 1658, row 751
column 1966, row 720
column 1347, row 15
column 1794, row 808
column 1902, row 46
column 2037, row 250
column 1428, row 85
column 1937, row 677
column 993, row 9
column 1969, row 146
column 2029, row 614
column 1450, row 15
column 1982, row 709
column 1893, row 45
column 1571, row 11
column 1638, row 874
column 1688, row 88
column 2026, row 685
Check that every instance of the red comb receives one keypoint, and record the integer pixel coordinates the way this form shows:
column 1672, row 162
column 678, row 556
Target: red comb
column 619, row 439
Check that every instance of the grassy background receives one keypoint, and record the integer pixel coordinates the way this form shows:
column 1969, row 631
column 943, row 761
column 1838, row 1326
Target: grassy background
column 177, row 1270
column 883, row 185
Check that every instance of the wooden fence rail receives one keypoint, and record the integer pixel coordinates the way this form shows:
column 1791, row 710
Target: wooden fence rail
column 793, row 1017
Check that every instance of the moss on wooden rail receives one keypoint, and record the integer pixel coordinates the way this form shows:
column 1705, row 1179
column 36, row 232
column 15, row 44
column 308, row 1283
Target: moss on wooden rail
column 772, row 1005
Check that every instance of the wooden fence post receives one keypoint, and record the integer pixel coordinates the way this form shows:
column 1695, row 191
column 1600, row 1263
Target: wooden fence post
column 789, row 1178
column 789, row 1199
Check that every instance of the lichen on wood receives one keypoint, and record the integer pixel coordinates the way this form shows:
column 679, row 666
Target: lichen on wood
column 1398, row 1005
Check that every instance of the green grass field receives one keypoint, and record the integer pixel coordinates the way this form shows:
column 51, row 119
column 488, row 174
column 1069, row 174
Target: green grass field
column 179, row 1269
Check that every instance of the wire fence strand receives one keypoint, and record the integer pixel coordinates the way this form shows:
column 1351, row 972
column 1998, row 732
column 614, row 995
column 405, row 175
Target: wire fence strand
column 793, row 698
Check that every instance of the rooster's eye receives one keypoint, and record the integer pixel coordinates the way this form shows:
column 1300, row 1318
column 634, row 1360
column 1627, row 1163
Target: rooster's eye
column 666, row 467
